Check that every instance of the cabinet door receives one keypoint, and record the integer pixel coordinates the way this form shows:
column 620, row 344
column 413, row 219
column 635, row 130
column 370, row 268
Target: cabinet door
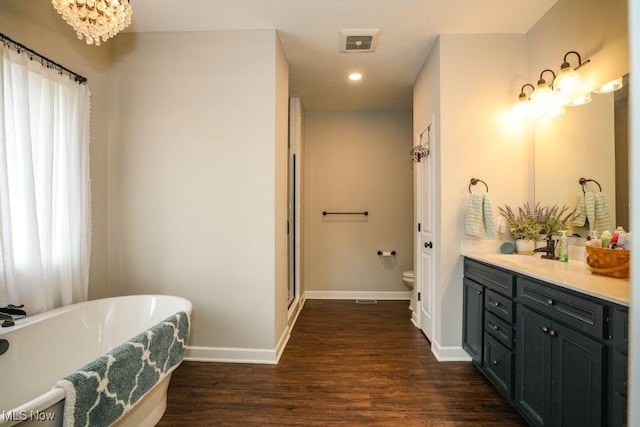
column 498, row 364
column 577, row 371
column 533, row 366
column 473, row 322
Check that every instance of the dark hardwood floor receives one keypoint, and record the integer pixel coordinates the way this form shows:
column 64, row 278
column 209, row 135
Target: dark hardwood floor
column 346, row 364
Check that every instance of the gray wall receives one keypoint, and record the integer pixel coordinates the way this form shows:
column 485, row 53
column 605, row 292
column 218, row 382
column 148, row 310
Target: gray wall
column 357, row 162
column 198, row 182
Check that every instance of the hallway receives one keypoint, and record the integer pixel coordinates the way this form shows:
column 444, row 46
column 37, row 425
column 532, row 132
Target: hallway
column 346, row 364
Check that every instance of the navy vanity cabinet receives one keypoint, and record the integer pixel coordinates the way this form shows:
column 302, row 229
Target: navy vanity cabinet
column 558, row 355
column 559, row 373
column 473, row 303
column 488, row 322
column 617, row 403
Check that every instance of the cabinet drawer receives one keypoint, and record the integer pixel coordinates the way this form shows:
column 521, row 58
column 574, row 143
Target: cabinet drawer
column 491, row 277
column 499, row 305
column 498, row 363
column 499, row 329
column 580, row 313
column 620, row 334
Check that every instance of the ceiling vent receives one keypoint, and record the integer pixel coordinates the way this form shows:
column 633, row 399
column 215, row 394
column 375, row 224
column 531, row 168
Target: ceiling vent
column 358, row 40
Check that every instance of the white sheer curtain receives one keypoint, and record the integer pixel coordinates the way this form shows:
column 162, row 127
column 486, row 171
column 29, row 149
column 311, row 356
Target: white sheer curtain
column 44, row 185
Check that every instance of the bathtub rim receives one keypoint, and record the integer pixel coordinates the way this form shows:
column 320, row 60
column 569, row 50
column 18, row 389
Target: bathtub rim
column 30, row 319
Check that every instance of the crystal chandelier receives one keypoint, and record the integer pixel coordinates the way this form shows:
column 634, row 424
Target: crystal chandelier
column 95, row 20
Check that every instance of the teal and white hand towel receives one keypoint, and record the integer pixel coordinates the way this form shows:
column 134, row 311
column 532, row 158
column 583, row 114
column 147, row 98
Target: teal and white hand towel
column 101, row 392
column 592, row 212
column 480, row 220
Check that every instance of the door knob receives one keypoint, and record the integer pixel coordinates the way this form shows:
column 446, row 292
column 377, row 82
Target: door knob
column 428, row 245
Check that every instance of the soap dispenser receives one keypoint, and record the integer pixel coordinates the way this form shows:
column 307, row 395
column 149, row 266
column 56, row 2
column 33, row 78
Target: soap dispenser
column 563, row 247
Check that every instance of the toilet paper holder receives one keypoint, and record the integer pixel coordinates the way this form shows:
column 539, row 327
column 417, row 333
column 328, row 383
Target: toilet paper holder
column 392, row 253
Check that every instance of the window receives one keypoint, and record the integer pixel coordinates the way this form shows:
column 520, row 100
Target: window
column 44, row 182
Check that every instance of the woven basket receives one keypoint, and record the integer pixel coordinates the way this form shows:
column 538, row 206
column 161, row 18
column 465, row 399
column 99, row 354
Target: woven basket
column 608, row 262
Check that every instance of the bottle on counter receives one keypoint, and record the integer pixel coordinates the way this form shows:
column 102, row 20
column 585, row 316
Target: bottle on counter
column 563, row 247
column 594, row 240
column 605, row 237
column 621, row 237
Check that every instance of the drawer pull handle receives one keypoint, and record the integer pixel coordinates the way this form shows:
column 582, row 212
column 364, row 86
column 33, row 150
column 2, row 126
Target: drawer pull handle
column 479, row 292
column 497, row 304
column 552, row 333
column 496, row 327
column 549, row 301
column 495, row 362
column 545, row 329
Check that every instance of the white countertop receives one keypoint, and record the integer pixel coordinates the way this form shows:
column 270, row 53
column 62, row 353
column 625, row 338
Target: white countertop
column 572, row 275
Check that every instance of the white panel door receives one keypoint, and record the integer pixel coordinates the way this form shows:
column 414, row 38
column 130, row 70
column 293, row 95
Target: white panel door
column 425, row 274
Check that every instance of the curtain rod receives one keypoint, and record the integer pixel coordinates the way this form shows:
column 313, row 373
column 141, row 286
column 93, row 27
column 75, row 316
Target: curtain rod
column 46, row 62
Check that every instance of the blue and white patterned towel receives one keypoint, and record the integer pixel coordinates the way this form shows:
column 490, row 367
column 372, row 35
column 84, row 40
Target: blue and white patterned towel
column 592, row 212
column 480, row 220
column 104, row 390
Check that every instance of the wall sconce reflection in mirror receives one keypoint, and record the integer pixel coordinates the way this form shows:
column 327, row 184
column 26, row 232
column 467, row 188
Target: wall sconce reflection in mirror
column 611, row 86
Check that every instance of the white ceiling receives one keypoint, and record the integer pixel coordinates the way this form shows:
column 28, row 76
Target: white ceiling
column 309, row 31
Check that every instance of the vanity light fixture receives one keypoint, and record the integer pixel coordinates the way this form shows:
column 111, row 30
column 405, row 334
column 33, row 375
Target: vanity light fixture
column 95, row 20
column 567, row 84
column 355, row 77
column 522, row 107
column 565, row 89
column 542, row 97
column 568, row 78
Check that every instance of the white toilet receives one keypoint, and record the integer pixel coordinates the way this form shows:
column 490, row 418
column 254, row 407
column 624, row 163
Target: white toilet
column 408, row 278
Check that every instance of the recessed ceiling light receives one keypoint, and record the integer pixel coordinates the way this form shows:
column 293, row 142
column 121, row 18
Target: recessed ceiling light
column 355, row 76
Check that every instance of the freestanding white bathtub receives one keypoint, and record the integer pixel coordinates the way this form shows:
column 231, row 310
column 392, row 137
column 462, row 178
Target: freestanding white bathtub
column 46, row 347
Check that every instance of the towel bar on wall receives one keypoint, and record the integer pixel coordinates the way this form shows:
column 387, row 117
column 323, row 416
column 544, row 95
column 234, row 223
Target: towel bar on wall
column 583, row 182
column 474, row 181
column 325, row 213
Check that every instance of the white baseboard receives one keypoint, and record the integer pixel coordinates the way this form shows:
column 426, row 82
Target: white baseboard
column 355, row 295
column 247, row 355
column 282, row 342
column 294, row 311
column 449, row 354
column 414, row 319
column 231, row 355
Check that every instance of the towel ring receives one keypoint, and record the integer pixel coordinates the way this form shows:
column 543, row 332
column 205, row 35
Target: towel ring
column 583, row 182
column 474, row 181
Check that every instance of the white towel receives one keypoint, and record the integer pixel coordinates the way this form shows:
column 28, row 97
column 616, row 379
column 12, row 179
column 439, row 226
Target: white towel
column 480, row 220
column 592, row 212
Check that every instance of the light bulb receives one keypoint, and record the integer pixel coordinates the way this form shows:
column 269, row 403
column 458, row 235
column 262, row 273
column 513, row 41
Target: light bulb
column 541, row 99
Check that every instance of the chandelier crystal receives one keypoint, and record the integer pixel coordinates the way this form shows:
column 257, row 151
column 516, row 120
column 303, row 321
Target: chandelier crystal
column 95, row 20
